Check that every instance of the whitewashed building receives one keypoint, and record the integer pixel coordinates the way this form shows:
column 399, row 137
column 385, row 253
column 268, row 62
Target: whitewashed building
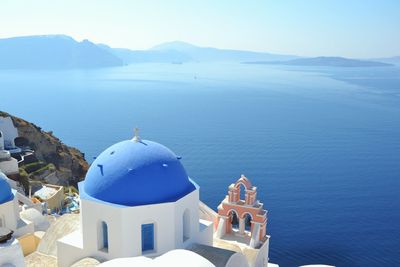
column 8, row 133
column 11, row 252
column 10, row 211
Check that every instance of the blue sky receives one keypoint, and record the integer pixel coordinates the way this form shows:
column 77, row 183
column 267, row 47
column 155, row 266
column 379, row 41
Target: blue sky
column 352, row 28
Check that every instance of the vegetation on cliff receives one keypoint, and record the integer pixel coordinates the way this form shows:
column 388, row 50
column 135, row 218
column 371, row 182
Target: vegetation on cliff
column 67, row 164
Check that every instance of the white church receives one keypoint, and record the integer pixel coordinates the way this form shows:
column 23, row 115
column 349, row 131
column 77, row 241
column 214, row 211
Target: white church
column 138, row 203
column 136, row 200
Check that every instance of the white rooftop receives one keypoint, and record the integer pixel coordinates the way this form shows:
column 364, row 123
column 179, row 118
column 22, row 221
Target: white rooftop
column 45, row 192
column 176, row 258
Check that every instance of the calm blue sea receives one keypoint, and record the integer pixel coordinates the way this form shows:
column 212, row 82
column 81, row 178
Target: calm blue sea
column 322, row 145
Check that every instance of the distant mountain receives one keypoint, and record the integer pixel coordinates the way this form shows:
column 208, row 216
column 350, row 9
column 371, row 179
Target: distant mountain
column 203, row 54
column 390, row 60
column 180, row 52
column 53, row 52
column 176, row 45
column 140, row 56
column 325, row 61
column 63, row 52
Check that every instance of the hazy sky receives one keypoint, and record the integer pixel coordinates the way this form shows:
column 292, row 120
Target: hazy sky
column 353, row 28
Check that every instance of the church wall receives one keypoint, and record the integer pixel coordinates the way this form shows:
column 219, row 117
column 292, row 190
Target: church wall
column 92, row 214
column 189, row 202
column 238, row 260
column 262, row 255
column 161, row 215
column 124, row 226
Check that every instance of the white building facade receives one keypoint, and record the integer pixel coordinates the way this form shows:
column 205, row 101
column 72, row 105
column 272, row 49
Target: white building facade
column 11, row 251
column 8, row 133
column 9, row 211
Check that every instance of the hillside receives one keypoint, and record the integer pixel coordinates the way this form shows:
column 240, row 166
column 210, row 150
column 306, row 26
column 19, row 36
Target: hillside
column 53, row 52
column 70, row 163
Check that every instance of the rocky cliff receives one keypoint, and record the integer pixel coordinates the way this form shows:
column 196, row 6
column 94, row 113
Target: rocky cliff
column 69, row 162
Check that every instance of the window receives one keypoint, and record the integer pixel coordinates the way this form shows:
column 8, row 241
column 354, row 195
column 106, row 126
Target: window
column 1, row 221
column 147, row 237
column 247, row 222
column 242, row 190
column 234, row 219
column 186, row 225
column 103, row 240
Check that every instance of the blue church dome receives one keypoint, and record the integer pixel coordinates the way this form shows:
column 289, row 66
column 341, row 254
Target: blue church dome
column 137, row 172
column 5, row 190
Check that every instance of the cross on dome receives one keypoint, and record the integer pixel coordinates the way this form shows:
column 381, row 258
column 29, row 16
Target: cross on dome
column 136, row 137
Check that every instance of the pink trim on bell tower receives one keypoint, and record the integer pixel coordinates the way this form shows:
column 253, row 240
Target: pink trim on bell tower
column 232, row 204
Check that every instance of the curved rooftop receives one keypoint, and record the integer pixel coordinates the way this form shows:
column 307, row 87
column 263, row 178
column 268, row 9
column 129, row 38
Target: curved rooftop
column 176, row 258
column 137, row 172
